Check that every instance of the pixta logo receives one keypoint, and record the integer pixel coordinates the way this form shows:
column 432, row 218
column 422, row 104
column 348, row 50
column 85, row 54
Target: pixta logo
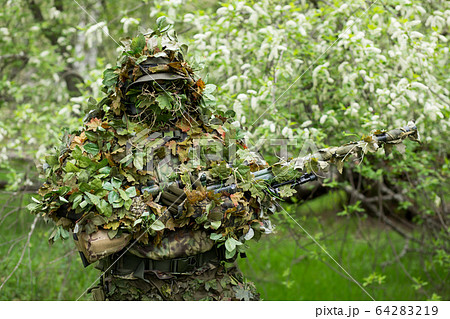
column 337, row 311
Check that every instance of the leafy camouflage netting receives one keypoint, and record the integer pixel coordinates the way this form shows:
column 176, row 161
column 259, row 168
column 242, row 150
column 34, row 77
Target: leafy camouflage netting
column 209, row 282
column 156, row 125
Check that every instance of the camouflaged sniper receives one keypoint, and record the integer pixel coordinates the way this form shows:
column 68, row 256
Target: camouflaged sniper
column 143, row 135
column 158, row 129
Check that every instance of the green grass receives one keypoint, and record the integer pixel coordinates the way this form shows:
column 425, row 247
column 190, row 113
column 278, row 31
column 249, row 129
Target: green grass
column 291, row 266
column 282, row 271
column 46, row 272
column 284, row 266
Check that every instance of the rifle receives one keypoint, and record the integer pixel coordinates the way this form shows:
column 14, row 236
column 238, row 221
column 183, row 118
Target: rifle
column 321, row 159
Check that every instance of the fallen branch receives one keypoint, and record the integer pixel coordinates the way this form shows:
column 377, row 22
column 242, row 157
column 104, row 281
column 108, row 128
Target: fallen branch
column 374, row 209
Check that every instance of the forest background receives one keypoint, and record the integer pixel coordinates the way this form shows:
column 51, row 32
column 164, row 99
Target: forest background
column 297, row 71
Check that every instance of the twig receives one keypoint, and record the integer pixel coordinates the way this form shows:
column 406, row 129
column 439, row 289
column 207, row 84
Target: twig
column 303, row 247
column 375, row 210
column 69, row 253
column 30, row 268
column 397, row 257
column 61, row 290
column 7, row 214
column 23, row 251
column 399, row 198
column 11, row 247
column 10, row 198
column 12, row 240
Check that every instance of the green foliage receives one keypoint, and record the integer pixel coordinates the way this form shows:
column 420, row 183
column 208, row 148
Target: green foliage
column 374, row 279
column 351, row 209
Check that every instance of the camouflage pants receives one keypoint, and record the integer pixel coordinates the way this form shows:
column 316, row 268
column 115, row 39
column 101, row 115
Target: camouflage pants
column 210, row 282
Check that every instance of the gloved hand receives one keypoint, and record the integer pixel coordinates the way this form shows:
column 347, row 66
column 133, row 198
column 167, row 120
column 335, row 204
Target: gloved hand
column 173, row 198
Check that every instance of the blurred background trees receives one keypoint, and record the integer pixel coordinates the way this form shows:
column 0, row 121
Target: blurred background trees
column 326, row 71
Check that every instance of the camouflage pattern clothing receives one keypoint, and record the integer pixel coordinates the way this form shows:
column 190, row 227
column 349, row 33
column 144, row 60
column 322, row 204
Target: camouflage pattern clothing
column 134, row 180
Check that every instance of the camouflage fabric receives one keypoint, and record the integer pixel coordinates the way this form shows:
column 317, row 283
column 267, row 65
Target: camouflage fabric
column 98, row 245
column 211, row 282
column 180, row 243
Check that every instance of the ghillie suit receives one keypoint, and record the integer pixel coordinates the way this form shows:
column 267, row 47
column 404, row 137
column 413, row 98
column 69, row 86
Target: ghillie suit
column 157, row 125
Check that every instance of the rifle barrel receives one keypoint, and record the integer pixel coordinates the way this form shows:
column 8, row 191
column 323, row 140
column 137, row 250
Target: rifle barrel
column 327, row 154
column 396, row 134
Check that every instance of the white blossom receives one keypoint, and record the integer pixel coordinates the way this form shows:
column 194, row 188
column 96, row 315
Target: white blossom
column 127, row 22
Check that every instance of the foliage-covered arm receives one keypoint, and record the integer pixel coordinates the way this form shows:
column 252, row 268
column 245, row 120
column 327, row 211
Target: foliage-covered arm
column 282, row 176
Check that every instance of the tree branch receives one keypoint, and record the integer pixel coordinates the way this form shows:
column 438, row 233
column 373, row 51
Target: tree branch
column 374, row 209
column 52, row 33
column 23, row 251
